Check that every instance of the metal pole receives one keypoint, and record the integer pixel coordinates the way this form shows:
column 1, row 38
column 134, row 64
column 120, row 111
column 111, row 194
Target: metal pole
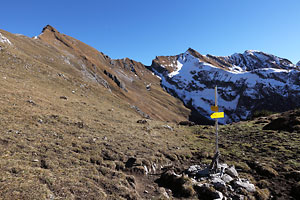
column 216, row 120
column 215, row 161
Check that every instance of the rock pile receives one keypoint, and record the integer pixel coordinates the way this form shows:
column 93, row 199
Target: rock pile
column 199, row 181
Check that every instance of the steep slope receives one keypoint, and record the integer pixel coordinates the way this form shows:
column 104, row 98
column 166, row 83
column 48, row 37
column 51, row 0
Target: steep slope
column 246, row 82
column 65, row 135
column 125, row 78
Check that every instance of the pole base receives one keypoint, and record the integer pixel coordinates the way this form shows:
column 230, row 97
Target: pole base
column 213, row 167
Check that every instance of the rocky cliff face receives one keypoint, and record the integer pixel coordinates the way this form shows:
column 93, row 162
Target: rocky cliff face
column 246, row 82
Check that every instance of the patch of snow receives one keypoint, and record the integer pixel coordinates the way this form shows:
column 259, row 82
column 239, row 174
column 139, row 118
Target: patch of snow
column 175, row 72
column 4, row 39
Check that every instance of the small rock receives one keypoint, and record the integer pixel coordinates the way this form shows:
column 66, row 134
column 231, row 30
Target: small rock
column 238, row 197
column 232, row 172
column 79, row 124
column 226, row 178
column 146, row 192
column 35, row 160
column 148, row 87
column 229, row 188
column 130, row 162
column 248, row 186
column 40, row 121
column 141, row 121
column 31, row 102
column 73, row 91
column 219, row 195
column 146, row 169
column 187, row 123
column 168, row 127
column 153, row 167
column 192, row 170
column 63, row 97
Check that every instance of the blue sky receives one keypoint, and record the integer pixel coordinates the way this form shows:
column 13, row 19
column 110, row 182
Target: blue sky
column 143, row 29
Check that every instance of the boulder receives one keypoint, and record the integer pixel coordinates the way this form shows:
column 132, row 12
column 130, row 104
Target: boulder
column 226, row 178
column 192, row 170
column 246, row 185
column 231, row 171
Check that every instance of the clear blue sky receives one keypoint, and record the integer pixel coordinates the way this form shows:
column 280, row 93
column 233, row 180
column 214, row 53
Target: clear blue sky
column 143, row 29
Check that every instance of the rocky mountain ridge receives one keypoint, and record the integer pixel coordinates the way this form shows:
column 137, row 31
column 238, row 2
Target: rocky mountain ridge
column 246, row 82
column 124, row 78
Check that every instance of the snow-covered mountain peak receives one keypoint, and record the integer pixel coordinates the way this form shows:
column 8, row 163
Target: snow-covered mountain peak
column 252, row 60
column 298, row 64
column 247, row 82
